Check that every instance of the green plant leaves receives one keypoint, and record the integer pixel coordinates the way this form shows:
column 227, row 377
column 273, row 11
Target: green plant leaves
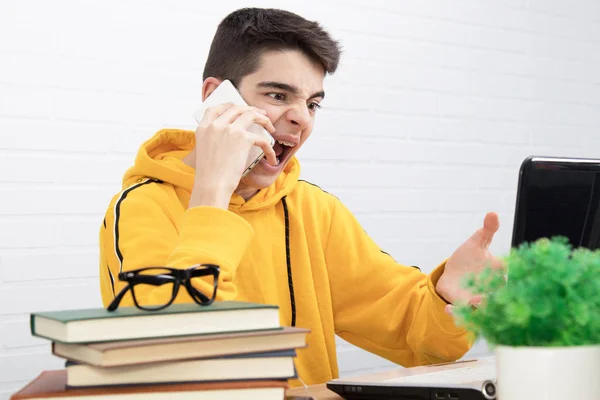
column 551, row 297
column 519, row 313
column 542, row 308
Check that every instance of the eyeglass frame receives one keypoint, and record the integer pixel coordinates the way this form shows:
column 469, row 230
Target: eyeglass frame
column 176, row 276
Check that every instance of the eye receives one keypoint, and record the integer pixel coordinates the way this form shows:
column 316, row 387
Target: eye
column 277, row 96
column 313, row 106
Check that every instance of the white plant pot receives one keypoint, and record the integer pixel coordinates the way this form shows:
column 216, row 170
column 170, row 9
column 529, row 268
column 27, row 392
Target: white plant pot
column 548, row 373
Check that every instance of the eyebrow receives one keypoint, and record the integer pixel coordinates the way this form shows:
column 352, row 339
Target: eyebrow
column 288, row 88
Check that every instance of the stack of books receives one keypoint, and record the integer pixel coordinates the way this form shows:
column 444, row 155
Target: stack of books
column 225, row 350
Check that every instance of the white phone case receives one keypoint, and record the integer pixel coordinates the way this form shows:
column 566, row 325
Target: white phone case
column 224, row 93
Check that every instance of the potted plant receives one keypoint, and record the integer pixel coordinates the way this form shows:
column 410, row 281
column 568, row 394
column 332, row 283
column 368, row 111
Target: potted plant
column 541, row 316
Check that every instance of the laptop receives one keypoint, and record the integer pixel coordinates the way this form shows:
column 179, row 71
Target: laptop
column 555, row 196
column 460, row 380
column 558, row 196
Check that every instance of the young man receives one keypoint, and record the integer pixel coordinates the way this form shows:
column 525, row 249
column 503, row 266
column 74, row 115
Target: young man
column 277, row 239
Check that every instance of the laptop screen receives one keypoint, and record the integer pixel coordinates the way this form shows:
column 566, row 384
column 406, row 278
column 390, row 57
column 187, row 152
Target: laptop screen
column 559, row 197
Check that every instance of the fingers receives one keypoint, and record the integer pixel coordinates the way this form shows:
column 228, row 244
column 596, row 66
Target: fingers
column 248, row 118
column 234, row 112
column 212, row 113
column 266, row 148
column 227, row 118
column 243, row 117
column 476, row 300
column 497, row 263
column 483, row 236
column 491, row 224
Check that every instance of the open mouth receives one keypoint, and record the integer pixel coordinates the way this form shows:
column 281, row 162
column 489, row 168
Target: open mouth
column 282, row 150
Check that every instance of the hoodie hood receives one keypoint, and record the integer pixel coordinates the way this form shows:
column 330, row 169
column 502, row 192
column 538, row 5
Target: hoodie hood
column 161, row 158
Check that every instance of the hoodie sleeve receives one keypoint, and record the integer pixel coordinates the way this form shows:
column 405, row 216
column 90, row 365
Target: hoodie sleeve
column 384, row 307
column 140, row 230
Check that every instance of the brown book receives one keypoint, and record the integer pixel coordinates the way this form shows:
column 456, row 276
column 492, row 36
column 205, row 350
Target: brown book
column 266, row 366
column 130, row 352
column 52, row 385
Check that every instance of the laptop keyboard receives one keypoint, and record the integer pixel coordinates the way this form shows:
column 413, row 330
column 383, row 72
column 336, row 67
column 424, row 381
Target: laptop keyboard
column 452, row 376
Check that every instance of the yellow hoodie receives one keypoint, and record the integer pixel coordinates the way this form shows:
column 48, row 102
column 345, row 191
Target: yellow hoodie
column 340, row 281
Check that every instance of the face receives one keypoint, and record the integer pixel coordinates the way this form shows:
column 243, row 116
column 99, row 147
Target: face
column 289, row 87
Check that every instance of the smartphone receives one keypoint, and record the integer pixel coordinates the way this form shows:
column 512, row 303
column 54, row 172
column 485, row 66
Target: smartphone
column 225, row 93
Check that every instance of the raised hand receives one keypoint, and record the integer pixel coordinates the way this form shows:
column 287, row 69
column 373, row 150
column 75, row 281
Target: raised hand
column 223, row 142
column 471, row 257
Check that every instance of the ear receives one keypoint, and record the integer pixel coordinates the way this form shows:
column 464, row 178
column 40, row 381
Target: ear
column 209, row 85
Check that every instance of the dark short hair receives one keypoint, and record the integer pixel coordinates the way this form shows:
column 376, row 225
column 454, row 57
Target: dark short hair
column 245, row 34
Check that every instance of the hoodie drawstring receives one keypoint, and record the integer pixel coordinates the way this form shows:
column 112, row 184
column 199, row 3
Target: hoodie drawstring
column 288, row 260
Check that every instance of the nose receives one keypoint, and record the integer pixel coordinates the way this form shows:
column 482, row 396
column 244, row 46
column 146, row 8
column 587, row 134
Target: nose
column 299, row 116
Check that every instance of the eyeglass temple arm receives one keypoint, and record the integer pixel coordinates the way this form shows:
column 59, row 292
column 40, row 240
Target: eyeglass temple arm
column 115, row 303
column 203, row 272
column 196, row 292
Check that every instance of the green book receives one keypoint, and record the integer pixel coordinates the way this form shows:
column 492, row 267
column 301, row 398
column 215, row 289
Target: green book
column 125, row 323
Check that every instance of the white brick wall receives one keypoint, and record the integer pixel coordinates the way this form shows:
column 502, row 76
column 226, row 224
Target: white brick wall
column 435, row 105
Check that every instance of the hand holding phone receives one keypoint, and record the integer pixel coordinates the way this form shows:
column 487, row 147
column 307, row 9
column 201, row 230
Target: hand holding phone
column 228, row 144
column 226, row 92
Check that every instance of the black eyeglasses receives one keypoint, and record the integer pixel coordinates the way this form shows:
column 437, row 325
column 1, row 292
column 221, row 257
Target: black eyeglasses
column 141, row 280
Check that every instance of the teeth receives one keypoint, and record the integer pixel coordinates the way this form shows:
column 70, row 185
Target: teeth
column 288, row 144
column 277, row 159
